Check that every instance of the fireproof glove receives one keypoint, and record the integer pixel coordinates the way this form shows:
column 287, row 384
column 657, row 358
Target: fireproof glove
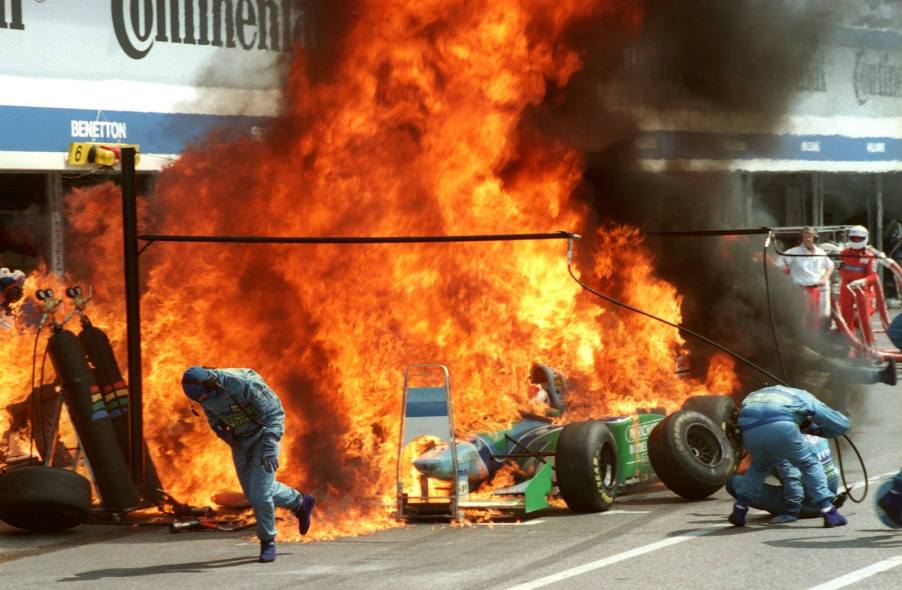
column 270, row 453
column 270, row 463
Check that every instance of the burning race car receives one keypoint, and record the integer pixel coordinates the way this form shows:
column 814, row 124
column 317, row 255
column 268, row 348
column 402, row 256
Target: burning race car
column 693, row 452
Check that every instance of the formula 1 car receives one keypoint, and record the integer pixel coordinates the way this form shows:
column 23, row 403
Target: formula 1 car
column 693, row 452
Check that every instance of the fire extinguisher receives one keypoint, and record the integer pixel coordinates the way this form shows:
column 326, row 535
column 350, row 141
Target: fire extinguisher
column 88, row 412
column 113, row 388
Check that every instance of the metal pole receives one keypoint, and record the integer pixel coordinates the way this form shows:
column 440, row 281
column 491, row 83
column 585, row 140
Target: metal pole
column 55, row 211
column 878, row 223
column 878, row 211
column 133, row 317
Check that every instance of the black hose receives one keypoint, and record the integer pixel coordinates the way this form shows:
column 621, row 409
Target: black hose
column 34, row 403
column 770, row 311
column 842, row 472
column 48, row 445
column 677, row 326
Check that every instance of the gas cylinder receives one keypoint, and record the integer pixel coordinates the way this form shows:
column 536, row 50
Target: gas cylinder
column 115, row 396
column 92, row 421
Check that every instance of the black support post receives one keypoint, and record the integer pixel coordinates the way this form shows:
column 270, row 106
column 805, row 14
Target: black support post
column 133, row 317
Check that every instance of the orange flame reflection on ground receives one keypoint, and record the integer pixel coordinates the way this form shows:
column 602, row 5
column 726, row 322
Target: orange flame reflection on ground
column 418, row 130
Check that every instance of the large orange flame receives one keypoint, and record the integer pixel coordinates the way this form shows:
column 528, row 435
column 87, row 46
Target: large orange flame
column 419, row 129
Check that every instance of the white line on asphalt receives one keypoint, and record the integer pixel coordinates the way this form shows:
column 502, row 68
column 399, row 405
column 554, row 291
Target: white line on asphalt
column 875, row 477
column 594, row 565
column 524, row 523
column 624, row 512
column 858, row 575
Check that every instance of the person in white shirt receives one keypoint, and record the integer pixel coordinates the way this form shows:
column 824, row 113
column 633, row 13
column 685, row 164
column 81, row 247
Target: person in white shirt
column 809, row 267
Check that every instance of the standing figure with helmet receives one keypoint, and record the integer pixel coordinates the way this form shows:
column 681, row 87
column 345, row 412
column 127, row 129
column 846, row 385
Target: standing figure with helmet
column 858, row 266
column 245, row 412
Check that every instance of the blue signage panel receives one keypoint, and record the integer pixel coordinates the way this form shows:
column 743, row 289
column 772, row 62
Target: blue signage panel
column 698, row 145
column 42, row 129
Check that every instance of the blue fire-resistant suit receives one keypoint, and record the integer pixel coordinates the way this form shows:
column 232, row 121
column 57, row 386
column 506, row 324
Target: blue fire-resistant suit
column 894, row 332
column 897, row 482
column 770, row 420
column 791, row 497
column 248, row 415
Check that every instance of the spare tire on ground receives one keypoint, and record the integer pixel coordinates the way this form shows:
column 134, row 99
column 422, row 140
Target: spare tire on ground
column 722, row 411
column 44, row 498
column 585, row 465
column 691, row 454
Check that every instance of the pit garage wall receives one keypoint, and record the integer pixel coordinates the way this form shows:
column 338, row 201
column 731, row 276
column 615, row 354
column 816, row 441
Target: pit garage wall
column 841, row 140
column 846, row 116
column 89, row 71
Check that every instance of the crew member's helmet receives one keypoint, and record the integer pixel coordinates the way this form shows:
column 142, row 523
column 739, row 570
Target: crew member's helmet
column 858, row 237
column 199, row 383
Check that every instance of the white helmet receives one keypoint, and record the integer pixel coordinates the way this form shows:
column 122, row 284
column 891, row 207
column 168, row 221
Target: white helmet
column 858, row 237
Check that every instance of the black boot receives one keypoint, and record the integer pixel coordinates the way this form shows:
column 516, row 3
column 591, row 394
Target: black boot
column 888, row 373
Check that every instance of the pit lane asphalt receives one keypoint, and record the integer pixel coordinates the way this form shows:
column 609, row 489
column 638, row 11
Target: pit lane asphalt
column 646, row 541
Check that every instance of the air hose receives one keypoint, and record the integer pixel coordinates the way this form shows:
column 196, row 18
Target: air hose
column 842, row 473
column 735, row 355
column 770, row 306
column 679, row 327
column 35, row 401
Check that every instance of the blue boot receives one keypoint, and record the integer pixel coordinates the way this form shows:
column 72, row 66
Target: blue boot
column 267, row 551
column 737, row 518
column 833, row 518
column 303, row 512
column 891, row 503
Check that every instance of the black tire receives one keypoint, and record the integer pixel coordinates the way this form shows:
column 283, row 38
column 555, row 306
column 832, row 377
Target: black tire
column 41, row 498
column 585, row 465
column 722, row 411
column 691, row 454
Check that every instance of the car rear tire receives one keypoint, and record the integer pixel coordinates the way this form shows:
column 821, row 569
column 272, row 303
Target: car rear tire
column 691, row 454
column 722, row 411
column 44, row 499
column 585, row 465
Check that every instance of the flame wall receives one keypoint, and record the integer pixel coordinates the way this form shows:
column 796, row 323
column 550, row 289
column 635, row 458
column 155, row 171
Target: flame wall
column 419, row 129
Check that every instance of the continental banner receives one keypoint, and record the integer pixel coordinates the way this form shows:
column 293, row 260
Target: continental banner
column 159, row 73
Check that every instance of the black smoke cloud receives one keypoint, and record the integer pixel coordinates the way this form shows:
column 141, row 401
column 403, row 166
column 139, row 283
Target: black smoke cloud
column 739, row 58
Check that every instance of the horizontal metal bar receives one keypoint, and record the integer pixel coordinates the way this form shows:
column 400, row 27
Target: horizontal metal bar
column 561, row 235
column 520, row 455
column 710, row 232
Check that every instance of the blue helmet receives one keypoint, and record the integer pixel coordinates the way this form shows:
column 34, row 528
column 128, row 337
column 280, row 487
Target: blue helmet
column 199, row 383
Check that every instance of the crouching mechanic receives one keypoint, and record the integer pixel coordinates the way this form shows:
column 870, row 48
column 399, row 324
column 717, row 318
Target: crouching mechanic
column 891, row 501
column 772, row 421
column 247, row 414
column 790, row 501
